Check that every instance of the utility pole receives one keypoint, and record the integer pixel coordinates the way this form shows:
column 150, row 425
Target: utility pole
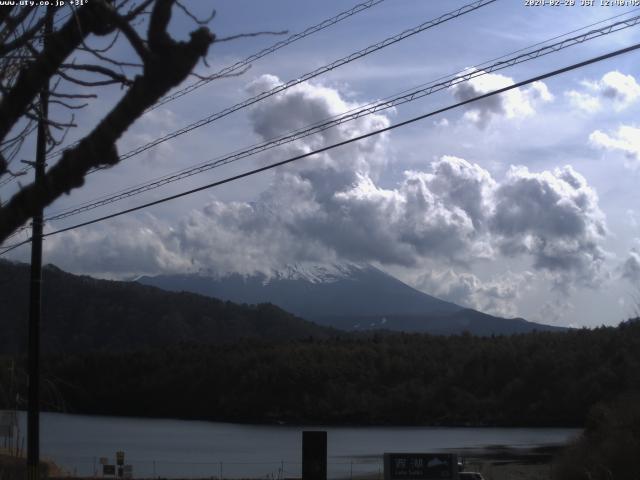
column 33, row 415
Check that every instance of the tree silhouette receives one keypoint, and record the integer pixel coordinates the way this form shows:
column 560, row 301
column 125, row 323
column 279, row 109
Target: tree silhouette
column 27, row 64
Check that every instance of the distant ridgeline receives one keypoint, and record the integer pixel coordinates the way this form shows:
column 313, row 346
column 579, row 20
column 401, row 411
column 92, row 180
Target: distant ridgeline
column 534, row 379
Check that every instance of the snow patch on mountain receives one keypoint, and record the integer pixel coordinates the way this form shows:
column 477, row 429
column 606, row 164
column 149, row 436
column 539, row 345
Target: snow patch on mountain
column 315, row 273
column 308, row 272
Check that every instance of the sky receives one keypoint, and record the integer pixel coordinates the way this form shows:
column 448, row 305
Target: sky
column 523, row 204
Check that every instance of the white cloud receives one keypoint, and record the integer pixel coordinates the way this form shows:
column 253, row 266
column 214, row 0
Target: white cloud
column 632, row 218
column 332, row 206
column 630, row 268
column 553, row 310
column 583, row 101
column 620, row 90
column 513, row 104
column 123, row 248
column 497, row 296
column 626, row 140
column 555, row 218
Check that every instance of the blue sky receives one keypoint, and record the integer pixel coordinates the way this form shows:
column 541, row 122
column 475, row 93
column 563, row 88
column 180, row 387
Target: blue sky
column 524, row 205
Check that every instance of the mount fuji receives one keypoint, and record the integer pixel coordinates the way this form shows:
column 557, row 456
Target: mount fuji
column 346, row 296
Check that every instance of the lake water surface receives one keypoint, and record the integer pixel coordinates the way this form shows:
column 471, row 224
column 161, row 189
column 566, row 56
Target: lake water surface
column 172, row 448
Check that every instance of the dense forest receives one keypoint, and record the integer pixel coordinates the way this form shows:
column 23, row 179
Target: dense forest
column 608, row 448
column 83, row 314
column 536, row 379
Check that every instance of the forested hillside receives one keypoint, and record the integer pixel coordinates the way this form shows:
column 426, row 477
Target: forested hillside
column 82, row 314
column 536, row 379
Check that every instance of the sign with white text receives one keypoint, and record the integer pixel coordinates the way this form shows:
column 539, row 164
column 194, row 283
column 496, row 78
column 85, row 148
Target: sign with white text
column 420, row 466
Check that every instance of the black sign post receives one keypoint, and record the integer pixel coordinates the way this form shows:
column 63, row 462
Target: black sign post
column 108, row 470
column 314, row 455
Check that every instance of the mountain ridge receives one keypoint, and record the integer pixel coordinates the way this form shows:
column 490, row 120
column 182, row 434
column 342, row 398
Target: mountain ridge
column 348, row 297
column 82, row 313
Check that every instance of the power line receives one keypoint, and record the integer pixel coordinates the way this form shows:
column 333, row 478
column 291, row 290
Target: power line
column 307, row 76
column 369, row 109
column 305, row 33
column 271, row 166
column 273, row 48
column 230, row 69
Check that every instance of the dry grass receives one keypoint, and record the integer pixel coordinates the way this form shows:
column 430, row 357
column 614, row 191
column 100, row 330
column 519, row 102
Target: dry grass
column 15, row 467
column 498, row 470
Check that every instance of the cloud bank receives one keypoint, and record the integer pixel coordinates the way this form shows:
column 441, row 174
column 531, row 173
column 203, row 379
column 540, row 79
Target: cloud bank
column 334, row 207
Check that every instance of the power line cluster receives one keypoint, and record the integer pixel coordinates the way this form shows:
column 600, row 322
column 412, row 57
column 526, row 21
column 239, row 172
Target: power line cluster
column 309, row 75
column 369, row 109
column 522, row 83
column 337, row 63
column 242, row 64
column 238, row 66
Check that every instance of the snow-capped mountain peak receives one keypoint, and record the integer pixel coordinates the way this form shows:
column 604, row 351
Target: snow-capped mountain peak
column 315, row 273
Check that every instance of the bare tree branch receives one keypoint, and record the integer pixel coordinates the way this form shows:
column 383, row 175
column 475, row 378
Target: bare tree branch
column 203, row 21
column 33, row 77
column 12, row 23
column 73, row 95
column 140, row 9
column 49, row 122
column 86, row 83
column 24, row 37
column 107, row 72
column 132, row 36
column 69, row 105
column 168, row 63
column 5, row 13
column 248, row 35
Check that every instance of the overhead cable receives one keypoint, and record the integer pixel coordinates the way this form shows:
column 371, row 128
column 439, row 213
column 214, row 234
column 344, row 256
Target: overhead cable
column 238, row 66
column 307, row 76
column 353, row 114
column 271, row 166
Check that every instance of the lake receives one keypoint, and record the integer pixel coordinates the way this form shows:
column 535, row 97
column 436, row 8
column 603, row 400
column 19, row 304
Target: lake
column 171, row 448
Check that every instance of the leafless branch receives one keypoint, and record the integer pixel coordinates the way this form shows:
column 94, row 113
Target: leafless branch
column 118, row 63
column 203, row 21
column 132, row 36
column 166, row 64
column 107, row 72
column 226, row 75
column 104, row 49
column 248, row 35
column 25, row 36
column 49, row 122
column 73, row 95
column 11, row 23
column 34, row 76
column 68, row 105
column 140, row 9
